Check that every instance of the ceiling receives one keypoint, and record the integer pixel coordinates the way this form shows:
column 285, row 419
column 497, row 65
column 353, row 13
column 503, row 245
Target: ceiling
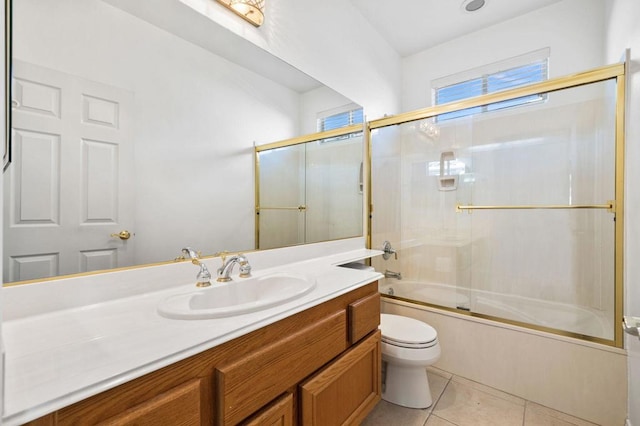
column 411, row 26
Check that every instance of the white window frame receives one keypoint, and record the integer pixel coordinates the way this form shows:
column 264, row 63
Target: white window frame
column 349, row 108
column 484, row 72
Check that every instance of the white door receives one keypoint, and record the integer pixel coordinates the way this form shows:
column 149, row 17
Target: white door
column 70, row 185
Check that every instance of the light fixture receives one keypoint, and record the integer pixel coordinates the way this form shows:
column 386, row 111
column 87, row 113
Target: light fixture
column 430, row 129
column 250, row 10
column 473, row 5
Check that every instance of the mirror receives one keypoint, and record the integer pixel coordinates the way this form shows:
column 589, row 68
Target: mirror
column 311, row 191
column 133, row 131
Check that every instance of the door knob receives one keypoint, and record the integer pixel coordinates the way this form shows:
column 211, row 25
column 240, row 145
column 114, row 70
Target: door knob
column 123, row 235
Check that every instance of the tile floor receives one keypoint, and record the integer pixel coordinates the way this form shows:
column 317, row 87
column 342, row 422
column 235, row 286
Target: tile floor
column 459, row 401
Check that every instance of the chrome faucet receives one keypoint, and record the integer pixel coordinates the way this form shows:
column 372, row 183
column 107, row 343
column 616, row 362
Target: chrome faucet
column 224, row 271
column 391, row 274
column 203, row 279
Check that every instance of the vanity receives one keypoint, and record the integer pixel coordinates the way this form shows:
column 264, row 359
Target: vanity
column 313, row 361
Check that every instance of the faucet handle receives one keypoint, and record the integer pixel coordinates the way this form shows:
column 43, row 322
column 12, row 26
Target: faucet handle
column 203, row 279
column 245, row 267
column 193, row 255
column 223, row 255
column 388, row 251
column 245, row 270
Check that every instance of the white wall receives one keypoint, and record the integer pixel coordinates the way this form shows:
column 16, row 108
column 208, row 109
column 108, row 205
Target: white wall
column 624, row 32
column 573, row 29
column 330, row 41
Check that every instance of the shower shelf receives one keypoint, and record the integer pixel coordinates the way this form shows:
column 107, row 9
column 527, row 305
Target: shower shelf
column 609, row 206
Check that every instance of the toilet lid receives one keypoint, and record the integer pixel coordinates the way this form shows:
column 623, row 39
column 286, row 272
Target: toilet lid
column 406, row 331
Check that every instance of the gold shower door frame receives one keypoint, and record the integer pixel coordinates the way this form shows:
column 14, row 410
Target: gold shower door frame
column 610, row 72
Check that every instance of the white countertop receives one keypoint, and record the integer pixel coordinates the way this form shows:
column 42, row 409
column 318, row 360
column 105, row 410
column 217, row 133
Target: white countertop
column 63, row 355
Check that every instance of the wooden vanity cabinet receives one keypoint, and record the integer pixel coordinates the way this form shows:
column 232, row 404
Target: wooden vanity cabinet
column 318, row 367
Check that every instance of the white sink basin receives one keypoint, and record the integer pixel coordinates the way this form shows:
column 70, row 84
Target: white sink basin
column 241, row 296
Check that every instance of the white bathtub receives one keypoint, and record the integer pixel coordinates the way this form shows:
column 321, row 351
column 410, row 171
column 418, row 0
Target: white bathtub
column 554, row 315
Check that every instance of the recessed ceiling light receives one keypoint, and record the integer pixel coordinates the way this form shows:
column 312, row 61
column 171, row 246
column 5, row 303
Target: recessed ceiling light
column 473, row 5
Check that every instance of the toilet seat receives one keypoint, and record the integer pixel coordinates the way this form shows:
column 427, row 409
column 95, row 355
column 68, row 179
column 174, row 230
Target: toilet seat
column 407, row 332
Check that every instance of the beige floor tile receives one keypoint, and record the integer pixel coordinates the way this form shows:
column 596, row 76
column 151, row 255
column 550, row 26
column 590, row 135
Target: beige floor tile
column 437, row 421
column 387, row 414
column 538, row 415
column 437, row 384
column 491, row 391
column 465, row 403
column 461, row 402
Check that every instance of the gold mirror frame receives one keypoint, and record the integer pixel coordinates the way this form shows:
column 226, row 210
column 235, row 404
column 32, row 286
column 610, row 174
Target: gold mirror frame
column 6, row 156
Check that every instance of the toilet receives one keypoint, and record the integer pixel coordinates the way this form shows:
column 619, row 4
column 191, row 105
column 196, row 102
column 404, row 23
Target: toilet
column 408, row 347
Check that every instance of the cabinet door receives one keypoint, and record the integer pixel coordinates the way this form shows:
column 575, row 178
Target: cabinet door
column 178, row 406
column 345, row 391
column 364, row 317
column 278, row 413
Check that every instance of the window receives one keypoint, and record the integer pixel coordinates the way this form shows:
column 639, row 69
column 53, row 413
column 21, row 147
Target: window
column 491, row 79
column 341, row 119
column 331, row 120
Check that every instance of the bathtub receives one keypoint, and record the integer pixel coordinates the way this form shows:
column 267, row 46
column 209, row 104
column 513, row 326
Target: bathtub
column 557, row 316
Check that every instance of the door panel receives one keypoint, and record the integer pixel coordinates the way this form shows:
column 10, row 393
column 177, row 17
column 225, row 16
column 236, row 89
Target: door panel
column 69, row 185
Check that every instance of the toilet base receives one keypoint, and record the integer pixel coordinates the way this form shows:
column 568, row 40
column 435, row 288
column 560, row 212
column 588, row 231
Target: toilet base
column 406, row 386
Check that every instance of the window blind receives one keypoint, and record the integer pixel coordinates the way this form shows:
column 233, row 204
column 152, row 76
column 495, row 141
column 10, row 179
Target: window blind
column 496, row 80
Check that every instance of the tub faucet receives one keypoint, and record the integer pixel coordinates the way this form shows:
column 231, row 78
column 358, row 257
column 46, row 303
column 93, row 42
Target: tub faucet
column 227, row 266
column 203, row 279
column 391, row 274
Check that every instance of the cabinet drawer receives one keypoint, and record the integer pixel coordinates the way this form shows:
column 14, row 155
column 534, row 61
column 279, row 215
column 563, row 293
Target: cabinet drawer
column 364, row 317
column 249, row 383
column 278, row 413
column 344, row 392
column 178, row 406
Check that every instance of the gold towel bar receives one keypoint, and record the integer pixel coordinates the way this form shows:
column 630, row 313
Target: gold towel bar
column 299, row 208
column 609, row 206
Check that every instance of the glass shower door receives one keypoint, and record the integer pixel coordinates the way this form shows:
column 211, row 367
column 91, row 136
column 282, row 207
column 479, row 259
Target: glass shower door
column 509, row 213
column 282, row 193
column 309, row 192
column 542, row 225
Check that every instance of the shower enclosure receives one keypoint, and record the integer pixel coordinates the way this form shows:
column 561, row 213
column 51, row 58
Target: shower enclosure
column 511, row 213
column 309, row 189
